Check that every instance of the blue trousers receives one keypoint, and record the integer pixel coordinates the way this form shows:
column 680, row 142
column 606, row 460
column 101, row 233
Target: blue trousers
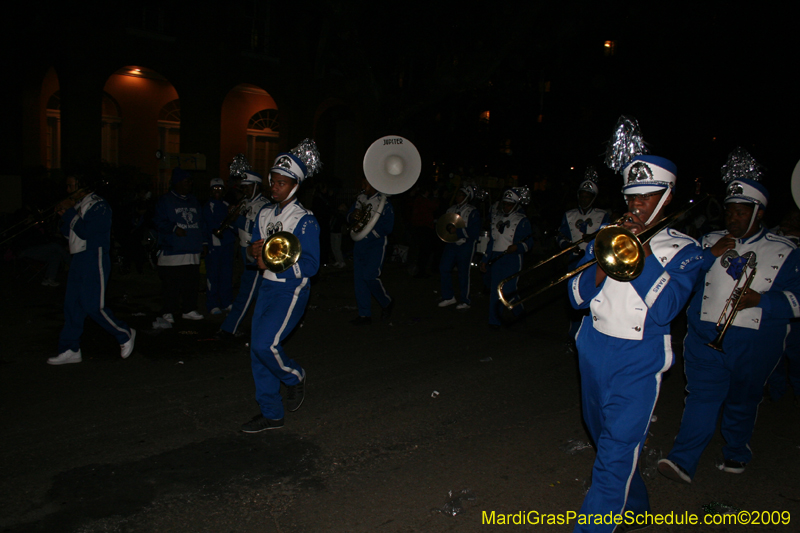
column 277, row 312
column 367, row 263
column 249, row 285
column 219, row 276
column 620, row 382
column 791, row 357
column 732, row 382
column 86, row 292
column 502, row 268
column 461, row 258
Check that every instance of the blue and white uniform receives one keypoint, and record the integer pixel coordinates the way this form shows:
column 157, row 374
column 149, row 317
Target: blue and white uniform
column 87, row 225
column 575, row 224
column 280, row 305
column 459, row 253
column 219, row 261
column 734, row 380
column 368, row 256
column 250, row 281
column 624, row 346
column 514, row 228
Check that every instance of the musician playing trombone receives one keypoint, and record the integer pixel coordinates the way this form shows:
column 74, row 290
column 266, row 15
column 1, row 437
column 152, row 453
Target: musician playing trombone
column 459, row 254
column 624, row 344
column 250, row 280
column 282, row 295
column 511, row 236
column 732, row 380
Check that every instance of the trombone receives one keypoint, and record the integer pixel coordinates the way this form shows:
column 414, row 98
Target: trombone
column 742, row 284
column 618, row 252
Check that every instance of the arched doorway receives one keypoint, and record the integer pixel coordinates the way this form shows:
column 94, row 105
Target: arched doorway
column 250, row 125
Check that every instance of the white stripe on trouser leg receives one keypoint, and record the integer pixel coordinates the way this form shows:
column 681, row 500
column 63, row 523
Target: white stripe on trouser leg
column 469, row 269
column 103, row 294
column 247, row 303
column 277, row 339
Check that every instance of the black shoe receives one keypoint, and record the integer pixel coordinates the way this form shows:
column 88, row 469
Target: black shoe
column 295, row 394
column 362, row 321
column 259, row 424
column 386, row 314
column 734, row 467
column 673, row 471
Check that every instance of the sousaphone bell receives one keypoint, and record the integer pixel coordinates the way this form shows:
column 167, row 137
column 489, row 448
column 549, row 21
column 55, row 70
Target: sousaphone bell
column 391, row 165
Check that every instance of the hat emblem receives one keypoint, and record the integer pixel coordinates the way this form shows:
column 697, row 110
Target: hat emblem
column 284, row 162
column 640, row 171
column 735, row 189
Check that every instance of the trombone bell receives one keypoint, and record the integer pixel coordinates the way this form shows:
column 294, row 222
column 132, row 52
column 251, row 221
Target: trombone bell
column 281, row 251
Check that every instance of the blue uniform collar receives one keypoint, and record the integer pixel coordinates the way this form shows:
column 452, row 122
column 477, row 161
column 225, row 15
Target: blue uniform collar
column 279, row 210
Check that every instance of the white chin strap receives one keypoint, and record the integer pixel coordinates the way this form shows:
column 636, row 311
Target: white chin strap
column 752, row 218
column 291, row 194
column 659, row 206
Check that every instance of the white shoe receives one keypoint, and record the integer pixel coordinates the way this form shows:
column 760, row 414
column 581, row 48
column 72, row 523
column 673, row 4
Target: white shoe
column 169, row 318
column 445, row 303
column 161, row 323
column 462, row 307
column 47, row 282
column 216, row 311
column 66, row 358
column 192, row 315
column 228, row 309
column 127, row 348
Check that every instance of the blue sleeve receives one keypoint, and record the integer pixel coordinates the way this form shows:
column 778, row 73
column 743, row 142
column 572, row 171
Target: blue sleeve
column 781, row 301
column 564, row 237
column 606, row 219
column 582, row 287
column 307, row 231
column 525, row 235
column 94, row 223
column 473, row 228
column 665, row 290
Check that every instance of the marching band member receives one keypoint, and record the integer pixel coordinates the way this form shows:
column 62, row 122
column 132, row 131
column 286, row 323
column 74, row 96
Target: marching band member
column 459, row 254
column 250, row 281
column 180, row 225
column 624, row 345
column 577, row 224
column 510, row 238
column 219, row 261
column 282, row 296
column 86, row 222
column 733, row 381
column 368, row 256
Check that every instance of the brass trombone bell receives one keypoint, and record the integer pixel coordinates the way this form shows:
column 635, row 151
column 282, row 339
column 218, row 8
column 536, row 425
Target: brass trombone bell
column 445, row 221
column 281, row 251
column 619, row 253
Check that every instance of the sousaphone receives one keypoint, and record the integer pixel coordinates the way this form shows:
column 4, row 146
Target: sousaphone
column 391, row 165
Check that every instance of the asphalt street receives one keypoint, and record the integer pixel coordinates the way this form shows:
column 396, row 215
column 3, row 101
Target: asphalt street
column 430, row 422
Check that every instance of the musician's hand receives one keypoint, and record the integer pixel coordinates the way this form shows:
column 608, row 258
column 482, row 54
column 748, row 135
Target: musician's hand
column 751, row 298
column 451, row 228
column 633, row 223
column 723, row 245
column 255, row 251
column 511, row 249
column 180, row 232
column 64, row 205
column 483, row 267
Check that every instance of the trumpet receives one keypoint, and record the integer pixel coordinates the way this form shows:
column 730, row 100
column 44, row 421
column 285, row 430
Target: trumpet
column 742, row 284
column 618, row 252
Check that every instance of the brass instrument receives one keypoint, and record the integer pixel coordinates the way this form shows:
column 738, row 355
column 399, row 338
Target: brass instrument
column 449, row 219
column 281, row 251
column 618, row 252
column 741, row 286
column 359, row 221
column 233, row 214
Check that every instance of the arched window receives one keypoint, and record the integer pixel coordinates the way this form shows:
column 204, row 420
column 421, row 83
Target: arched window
column 169, row 138
column 111, row 122
column 53, row 140
column 262, row 140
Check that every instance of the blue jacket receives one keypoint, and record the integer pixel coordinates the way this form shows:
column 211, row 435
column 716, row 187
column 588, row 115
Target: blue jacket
column 174, row 211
